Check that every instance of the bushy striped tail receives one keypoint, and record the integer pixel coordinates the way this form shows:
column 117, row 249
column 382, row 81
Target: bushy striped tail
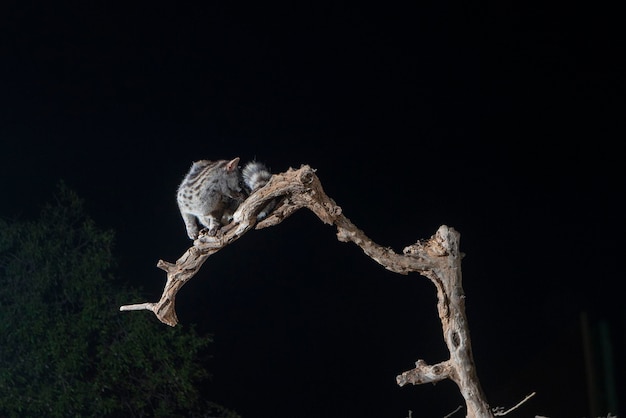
column 256, row 175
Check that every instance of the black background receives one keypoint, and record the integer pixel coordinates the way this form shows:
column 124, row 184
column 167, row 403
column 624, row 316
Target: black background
column 501, row 120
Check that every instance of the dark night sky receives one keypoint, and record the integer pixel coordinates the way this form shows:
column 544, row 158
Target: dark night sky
column 501, row 120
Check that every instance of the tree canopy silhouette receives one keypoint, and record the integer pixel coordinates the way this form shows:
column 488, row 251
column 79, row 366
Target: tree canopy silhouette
column 64, row 349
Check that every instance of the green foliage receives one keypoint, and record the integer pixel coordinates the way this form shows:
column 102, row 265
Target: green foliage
column 65, row 349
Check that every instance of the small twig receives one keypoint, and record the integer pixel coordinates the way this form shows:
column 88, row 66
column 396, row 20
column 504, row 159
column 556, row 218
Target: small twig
column 454, row 412
column 498, row 410
column 137, row 307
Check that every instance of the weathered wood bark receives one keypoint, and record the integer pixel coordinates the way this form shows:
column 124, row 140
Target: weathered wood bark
column 437, row 258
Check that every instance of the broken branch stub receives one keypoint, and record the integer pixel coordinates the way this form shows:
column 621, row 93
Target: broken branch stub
column 437, row 258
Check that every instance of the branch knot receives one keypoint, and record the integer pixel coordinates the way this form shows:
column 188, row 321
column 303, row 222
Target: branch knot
column 307, row 176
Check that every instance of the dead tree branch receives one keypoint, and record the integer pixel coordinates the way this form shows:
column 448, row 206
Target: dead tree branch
column 437, row 258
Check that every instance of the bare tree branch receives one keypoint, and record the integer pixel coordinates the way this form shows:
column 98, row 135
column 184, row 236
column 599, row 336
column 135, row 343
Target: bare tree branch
column 499, row 412
column 437, row 258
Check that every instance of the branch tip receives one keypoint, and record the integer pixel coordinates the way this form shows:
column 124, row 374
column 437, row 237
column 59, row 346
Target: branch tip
column 165, row 266
column 148, row 306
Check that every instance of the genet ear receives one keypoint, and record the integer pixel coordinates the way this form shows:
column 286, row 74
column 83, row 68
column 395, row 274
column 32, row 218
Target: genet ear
column 232, row 165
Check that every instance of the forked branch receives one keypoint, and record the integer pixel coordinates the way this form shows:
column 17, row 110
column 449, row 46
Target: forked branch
column 437, row 258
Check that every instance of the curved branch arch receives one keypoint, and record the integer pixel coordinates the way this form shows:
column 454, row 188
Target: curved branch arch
column 437, row 258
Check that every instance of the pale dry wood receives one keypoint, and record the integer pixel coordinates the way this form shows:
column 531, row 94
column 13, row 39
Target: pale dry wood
column 437, row 258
